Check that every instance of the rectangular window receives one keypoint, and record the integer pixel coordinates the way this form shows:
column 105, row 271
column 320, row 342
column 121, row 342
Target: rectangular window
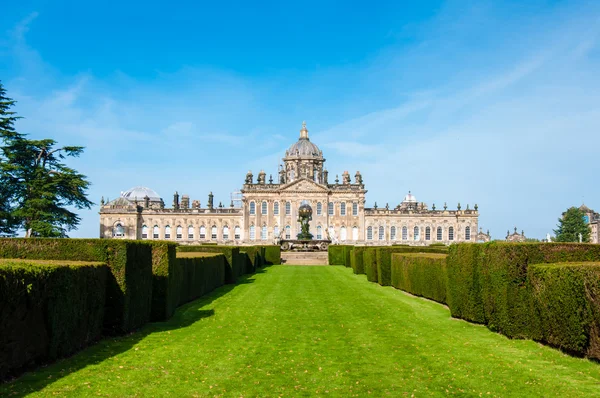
column 288, row 208
column 381, row 233
column 355, row 209
column 370, row 233
column 439, row 233
column 179, row 236
column 167, row 236
column 343, row 209
column 330, row 208
column 155, row 236
column 237, row 236
column 144, row 236
column 427, row 233
column 276, row 208
column 319, row 209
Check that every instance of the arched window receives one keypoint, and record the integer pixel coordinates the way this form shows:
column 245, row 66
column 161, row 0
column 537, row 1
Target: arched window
column 263, row 232
column 191, row 232
column 381, row 233
column 342, row 209
column 144, row 232
column 276, row 208
column 355, row 209
column 427, row 233
column 167, row 232
column 288, row 232
column 203, row 232
column 330, row 208
column 468, row 233
column 179, row 232
column 319, row 232
column 119, row 231
column 237, row 233
column 292, row 175
column 451, row 233
column 155, row 232
column 355, row 233
column 416, row 233
column 331, row 232
column 213, row 232
column 264, row 208
column 369, row 233
column 288, row 208
column 252, row 208
column 393, row 233
column 225, row 232
column 439, row 233
column 343, row 234
column 252, row 232
column 319, row 208
column 276, row 231
column 404, row 233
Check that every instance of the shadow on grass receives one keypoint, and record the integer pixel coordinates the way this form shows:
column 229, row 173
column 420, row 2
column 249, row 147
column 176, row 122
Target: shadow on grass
column 186, row 315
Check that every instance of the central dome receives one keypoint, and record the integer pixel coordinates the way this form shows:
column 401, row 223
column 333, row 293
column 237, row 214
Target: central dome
column 303, row 147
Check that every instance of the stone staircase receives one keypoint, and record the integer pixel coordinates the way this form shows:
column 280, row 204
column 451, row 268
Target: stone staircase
column 304, row 258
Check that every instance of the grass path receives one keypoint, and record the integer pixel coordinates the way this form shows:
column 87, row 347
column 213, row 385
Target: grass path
column 305, row 331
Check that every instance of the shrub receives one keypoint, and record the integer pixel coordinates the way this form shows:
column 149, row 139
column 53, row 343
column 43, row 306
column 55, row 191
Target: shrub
column 421, row 274
column 233, row 267
column 129, row 284
column 506, row 299
column 48, row 309
column 565, row 299
column 370, row 263
column 384, row 259
column 356, row 259
column 464, row 287
column 165, row 285
column 272, row 254
column 201, row 273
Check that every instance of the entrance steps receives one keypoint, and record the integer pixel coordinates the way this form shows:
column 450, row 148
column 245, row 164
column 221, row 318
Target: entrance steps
column 304, row 258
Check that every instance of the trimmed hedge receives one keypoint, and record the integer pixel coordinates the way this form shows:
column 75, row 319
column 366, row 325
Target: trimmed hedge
column 233, row 267
column 48, row 310
column 421, row 274
column 165, row 285
column 129, row 284
column 339, row 254
column 370, row 263
column 356, row 259
column 272, row 254
column 383, row 258
column 565, row 300
column 199, row 274
column 253, row 258
column 506, row 299
column 464, row 285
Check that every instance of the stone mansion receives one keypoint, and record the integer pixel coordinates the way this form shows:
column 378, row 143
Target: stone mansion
column 268, row 211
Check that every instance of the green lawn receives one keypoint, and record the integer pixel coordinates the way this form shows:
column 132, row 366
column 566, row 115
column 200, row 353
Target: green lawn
column 304, row 331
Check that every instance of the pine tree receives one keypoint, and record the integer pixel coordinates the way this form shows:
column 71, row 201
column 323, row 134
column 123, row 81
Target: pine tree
column 571, row 225
column 37, row 186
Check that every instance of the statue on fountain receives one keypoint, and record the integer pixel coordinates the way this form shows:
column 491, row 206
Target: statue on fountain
column 304, row 218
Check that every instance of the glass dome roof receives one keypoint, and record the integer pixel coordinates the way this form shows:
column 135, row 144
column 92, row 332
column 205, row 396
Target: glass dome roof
column 139, row 193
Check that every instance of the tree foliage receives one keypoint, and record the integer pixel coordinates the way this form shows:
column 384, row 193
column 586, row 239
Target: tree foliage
column 570, row 225
column 36, row 186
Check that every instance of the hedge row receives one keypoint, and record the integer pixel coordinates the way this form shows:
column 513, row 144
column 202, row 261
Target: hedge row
column 129, row 284
column 339, row 255
column 198, row 274
column 492, row 284
column 48, row 309
column 234, row 268
column 421, row 274
column 356, row 260
column 272, row 254
column 566, row 307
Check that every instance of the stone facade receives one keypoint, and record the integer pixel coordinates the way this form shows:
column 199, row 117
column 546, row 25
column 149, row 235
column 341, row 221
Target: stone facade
column 269, row 211
column 593, row 220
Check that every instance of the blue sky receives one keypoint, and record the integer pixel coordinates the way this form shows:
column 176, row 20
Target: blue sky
column 487, row 102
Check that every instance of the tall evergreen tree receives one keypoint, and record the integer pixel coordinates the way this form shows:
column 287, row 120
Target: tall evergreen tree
column 570, row 225
column 37, row 186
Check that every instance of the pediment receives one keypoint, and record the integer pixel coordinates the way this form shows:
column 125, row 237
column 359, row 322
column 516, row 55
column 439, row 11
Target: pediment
column 303, row 185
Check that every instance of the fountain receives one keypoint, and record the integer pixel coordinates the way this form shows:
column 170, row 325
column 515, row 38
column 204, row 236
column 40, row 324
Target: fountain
column 305, row 240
